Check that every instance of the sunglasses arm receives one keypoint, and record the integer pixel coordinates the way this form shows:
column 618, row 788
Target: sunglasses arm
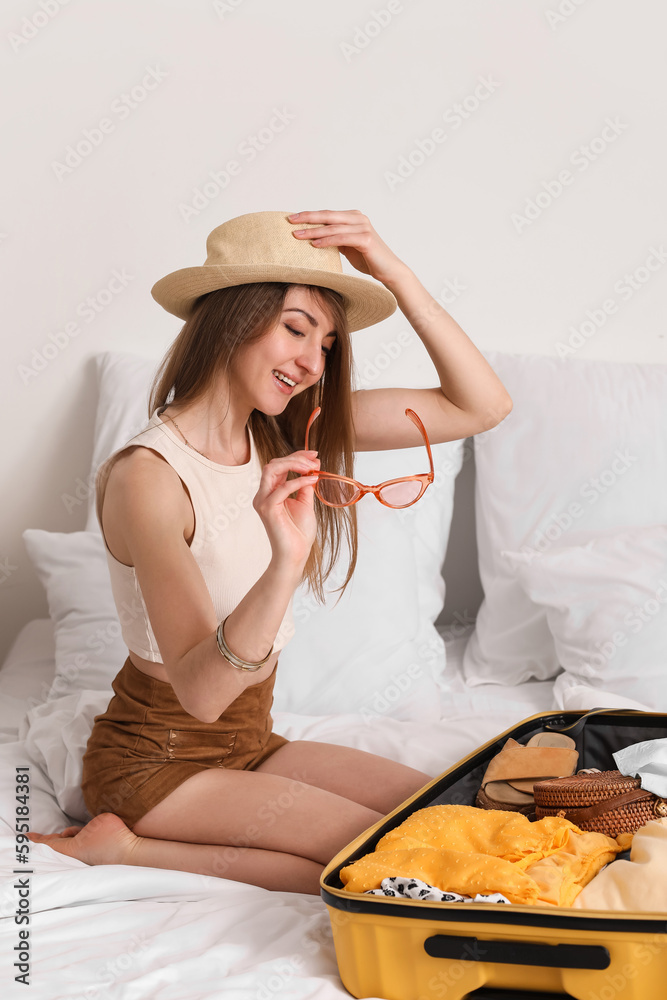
column 415, row 420
column 409, row 413
column 313, row 417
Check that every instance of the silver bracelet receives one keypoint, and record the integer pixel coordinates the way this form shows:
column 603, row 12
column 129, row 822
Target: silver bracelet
column 232, row 658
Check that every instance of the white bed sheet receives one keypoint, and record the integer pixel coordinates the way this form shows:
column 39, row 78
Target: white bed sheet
column 119, row 931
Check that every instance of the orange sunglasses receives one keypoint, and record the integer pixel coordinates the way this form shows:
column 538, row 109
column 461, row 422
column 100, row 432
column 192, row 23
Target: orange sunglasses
column 339, row 491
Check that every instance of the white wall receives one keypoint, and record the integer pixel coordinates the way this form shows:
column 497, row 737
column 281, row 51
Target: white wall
column 356, row 103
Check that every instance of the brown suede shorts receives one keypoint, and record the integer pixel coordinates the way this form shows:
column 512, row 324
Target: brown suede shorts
column 145, row 745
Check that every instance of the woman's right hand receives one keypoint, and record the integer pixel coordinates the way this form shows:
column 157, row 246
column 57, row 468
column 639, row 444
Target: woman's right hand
column 287, row 506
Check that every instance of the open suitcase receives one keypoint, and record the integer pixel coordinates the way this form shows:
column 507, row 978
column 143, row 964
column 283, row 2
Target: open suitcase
column 402, row 950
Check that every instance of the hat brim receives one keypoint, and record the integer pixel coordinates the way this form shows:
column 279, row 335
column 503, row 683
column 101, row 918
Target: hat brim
column 366, row 302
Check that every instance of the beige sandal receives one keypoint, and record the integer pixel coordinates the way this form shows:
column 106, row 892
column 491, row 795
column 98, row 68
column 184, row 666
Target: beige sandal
column 508, row 780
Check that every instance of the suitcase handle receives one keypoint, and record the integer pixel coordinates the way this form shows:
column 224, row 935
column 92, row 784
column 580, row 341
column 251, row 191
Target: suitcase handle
column 553, row 956
column 491, row 994
column 575, row 728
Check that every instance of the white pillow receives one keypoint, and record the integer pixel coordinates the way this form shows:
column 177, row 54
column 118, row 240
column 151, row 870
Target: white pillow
column 73, row 570
column 572, row 696
column 583, row 449
column 605, row 598
column 56, row 735
column 123, row 384
column 376, row 652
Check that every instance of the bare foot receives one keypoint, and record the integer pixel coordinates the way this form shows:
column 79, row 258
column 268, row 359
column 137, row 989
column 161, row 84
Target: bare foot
column 106, row 840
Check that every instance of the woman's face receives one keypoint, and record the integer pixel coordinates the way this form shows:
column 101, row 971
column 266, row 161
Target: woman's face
column 295, row 348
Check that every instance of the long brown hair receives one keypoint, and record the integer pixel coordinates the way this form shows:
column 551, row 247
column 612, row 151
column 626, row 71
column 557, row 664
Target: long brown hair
column 222, row 322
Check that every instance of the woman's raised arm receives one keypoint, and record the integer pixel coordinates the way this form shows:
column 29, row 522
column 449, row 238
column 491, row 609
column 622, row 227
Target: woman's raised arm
column 470, row 398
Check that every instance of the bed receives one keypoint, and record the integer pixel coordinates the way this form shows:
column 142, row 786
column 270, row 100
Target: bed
column 571, row 543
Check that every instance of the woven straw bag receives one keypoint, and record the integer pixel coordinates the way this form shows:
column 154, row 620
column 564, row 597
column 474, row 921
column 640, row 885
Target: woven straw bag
column 604, row 801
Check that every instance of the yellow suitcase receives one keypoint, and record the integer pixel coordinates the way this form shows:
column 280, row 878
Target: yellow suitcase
column 397, row 949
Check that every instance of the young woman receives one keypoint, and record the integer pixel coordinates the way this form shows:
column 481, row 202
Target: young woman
column 183, row 770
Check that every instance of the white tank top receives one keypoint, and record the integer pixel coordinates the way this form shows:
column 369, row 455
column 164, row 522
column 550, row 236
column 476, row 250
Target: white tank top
column 230, row 544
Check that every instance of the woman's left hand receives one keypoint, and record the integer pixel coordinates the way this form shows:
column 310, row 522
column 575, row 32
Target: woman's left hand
column 356, row 239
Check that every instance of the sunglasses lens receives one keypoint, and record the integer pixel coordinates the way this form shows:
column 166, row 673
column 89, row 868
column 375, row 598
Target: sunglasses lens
column 336, row 492
column 401, row 494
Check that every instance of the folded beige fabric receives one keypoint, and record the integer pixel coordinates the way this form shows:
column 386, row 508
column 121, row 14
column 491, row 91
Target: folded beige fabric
column 637, row 885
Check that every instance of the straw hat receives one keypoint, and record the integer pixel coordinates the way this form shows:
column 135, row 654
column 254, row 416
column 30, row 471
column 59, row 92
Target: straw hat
column 260, row 247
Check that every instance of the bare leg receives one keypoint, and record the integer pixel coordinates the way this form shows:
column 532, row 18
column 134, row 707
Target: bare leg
column 373, row 781
column 259, row 828
column 252, row 809
column 275, row 827
column 107, row 840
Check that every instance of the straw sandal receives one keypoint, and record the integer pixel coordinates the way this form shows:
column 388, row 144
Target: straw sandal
column 508, row 780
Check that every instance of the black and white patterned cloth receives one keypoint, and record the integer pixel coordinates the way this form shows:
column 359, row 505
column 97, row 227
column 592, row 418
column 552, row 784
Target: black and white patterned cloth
column 414, row 888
